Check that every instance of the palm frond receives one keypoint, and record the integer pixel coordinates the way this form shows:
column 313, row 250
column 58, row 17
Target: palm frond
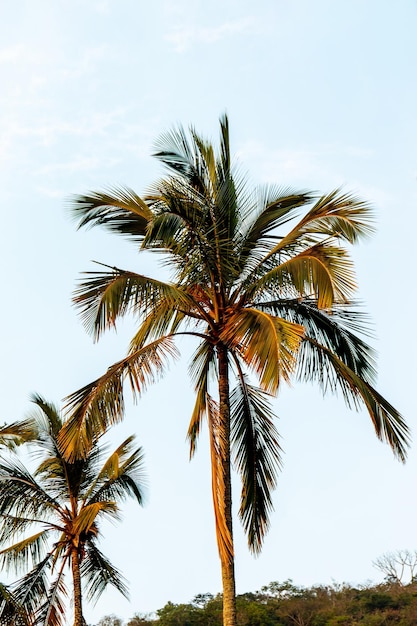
column 220, row 195
column 53, row 610
column 225, row 157
column 228, row 191
column 266, row 343
column 275, row 207
column 176, row 228
column 98, row 573
column 13, row 527
column 31, row 591
column 84, row 522
column 167, row 318
column 185, row 230
column 121, row 476
column 174, row 150
column 332, row 374
column 322, row 272
column 202, row 364
column 53, row 469
column 20, row 494
column 49, row 420
column 106, row 296
column 119, row 209
column 11, row 612
column 206, row 160
column 255, row 442
column 218, row 485
column 199, row 206
column 98, row 405
column 17, row 433
column 29, row 550
column 341, row 214
column 336, row 214
column 336, row 329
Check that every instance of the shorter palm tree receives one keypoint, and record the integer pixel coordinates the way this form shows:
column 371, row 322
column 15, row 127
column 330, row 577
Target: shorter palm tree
column 50, row 520
column 11, row 612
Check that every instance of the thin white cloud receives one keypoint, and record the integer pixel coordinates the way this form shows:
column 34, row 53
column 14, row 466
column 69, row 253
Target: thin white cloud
column 184, row 37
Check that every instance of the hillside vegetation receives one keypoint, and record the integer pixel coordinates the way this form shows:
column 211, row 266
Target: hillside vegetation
column 285, row 604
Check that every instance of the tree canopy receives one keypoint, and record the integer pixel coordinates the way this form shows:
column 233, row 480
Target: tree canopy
column 262, row 279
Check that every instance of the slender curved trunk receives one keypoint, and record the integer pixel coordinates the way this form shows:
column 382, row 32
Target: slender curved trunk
column 76, row 580
column 226, row 556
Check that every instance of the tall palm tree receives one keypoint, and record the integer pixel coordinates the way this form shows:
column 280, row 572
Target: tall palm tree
column 61, row 506
column 264, row 306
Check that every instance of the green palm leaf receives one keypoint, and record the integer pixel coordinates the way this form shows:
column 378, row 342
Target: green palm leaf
column 201, row 366
column 13, row 435
column 98, row 573
column 53, row 611
column 218, row 482
column 31, row 591
column 331, row 373
column 20, row 494
column 277, row 206
column 120, row 210
column 333, row 215
column 257, row 456
column 336, row 329
column 11, row 612
column 106, row 296
column 20, row 554
column 84, row 522
column 121, row 476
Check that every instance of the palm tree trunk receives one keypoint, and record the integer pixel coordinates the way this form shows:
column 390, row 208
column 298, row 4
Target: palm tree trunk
column 227, row 558
column 76, row 580
column 229, row 593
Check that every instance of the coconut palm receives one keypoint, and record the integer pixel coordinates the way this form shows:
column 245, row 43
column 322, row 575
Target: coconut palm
column 263, row 305
column 50, row 520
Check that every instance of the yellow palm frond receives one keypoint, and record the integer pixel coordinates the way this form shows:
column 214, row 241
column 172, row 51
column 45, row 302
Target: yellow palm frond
column 119, row 209
column 322, row 271
column 106, row 296
column 218, row 484
column 329, row 370
column 113, row 467
column 267, row 344
column 333, row 215
column 19, row 554
column 95, row 407
column 200, row 367
column 85, row 520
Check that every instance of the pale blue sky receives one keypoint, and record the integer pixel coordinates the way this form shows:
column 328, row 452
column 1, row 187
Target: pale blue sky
column 319, row 94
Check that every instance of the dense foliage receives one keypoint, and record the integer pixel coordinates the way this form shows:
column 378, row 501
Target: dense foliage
column 285, row 604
